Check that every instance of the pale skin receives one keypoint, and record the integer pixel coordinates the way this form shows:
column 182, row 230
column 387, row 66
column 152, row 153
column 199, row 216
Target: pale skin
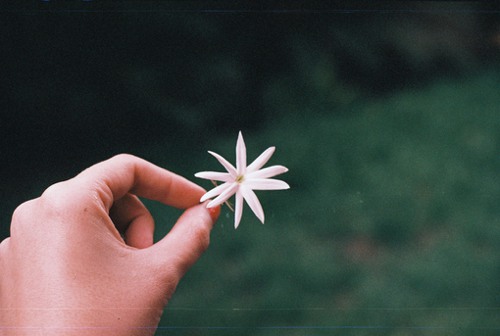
column 80, row 259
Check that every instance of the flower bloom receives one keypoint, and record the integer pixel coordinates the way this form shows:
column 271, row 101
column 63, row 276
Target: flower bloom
column 243, row 180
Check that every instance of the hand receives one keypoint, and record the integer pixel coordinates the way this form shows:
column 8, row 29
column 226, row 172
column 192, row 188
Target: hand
column 66, row 268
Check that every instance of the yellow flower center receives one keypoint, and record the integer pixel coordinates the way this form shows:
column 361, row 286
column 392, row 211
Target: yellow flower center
column 240, row 178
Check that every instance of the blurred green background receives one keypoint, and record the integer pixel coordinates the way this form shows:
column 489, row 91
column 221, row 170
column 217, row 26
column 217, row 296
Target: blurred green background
column 386, row 113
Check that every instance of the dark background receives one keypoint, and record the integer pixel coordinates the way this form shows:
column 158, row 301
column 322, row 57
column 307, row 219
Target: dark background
column 361, row 81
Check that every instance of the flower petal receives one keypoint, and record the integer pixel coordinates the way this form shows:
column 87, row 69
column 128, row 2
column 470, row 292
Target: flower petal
column 266, row 184
column 215, row 191
column 253, row 202
column 267, row 172
column 224, row 196
column 229, row 167
column 241, row 155
column 261, row 160
column 215, row 176
column 238, row 209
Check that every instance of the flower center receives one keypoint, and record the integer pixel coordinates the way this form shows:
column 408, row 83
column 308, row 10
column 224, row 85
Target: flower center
column 240, row 178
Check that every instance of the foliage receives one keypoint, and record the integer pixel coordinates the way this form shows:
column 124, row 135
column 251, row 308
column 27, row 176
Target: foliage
column 392, row 223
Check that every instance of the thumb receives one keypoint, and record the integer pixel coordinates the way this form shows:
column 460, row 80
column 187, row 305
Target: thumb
column 187, row 240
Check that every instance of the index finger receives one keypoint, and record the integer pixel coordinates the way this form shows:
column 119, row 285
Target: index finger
column 125, row 173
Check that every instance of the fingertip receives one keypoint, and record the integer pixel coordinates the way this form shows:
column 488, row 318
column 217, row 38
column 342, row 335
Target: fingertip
column 139, row 237
column 214, row 212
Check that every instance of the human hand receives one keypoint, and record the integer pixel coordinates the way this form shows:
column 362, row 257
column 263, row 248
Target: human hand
column 66, row 269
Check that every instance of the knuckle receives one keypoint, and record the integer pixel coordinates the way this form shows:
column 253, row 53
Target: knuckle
column 124, row 157
column 22, row 216
column 21, row 210
column 55, row 196
column 61, row 197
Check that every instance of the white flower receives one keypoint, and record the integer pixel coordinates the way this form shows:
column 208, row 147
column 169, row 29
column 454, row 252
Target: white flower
column 243, row 180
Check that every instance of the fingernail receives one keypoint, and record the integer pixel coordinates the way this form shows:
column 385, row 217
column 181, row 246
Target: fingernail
column 214, row 213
